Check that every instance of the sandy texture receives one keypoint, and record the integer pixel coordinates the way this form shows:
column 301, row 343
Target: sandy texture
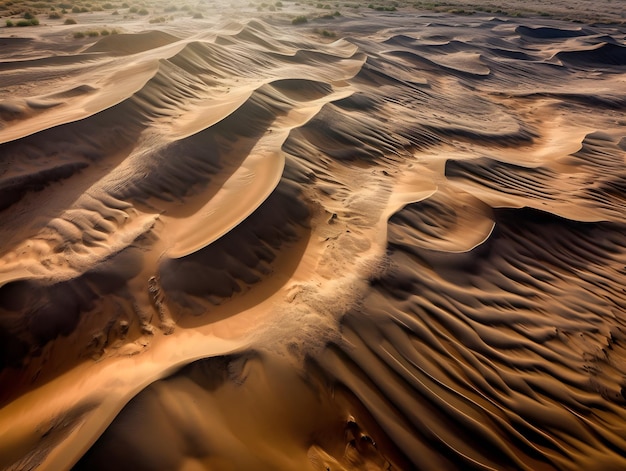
column 377, row 240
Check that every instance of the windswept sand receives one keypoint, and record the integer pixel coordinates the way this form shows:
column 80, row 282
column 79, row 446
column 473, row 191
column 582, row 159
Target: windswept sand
column 388, row 240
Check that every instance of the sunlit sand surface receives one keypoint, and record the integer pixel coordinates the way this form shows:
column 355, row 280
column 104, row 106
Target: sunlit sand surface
column 372, row 240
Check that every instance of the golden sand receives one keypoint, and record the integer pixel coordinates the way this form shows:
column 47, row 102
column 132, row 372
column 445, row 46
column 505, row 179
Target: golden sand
column 387, row 239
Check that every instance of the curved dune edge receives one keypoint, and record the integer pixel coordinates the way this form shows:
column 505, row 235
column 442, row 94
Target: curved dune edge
column 256, row 178
column 429, row 252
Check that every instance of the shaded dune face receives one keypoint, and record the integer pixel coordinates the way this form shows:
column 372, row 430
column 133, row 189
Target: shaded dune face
column 401, row 250
column 506, row 356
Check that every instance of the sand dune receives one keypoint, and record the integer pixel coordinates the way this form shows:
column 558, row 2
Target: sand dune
column 247, row 246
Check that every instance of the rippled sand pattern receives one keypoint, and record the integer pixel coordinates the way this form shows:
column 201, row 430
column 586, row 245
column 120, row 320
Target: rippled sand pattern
column 250, row 249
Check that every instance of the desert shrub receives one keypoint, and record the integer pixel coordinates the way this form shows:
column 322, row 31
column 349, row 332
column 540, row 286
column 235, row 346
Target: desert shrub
column 64, row 5
column 10, row 24
column 54, row 16
column 107, row 6
column 125, row 5
column 115, row 12
column 272, row 8
column 170, row 8
column 197, row 15
column 28, row 16
column 79, row 35
column 31, row 22
column 159, row 19
column 133, row 10
column 70, row 21
column 143, row 12
column 325, row 33
column 93, row 34
column 298, row 20
column 278, row 4
column 104, row 32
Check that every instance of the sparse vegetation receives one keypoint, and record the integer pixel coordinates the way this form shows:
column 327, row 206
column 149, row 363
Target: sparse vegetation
column 382, row 7
column 16, row 11
column 298, row 20
column 31, row 22
column 70, row 21
column 324, row 32
column 92, row 33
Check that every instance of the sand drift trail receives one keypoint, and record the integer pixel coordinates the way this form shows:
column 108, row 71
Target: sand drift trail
column 249, row 249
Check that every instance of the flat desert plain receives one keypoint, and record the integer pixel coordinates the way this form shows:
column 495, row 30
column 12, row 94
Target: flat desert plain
column 312, row 236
